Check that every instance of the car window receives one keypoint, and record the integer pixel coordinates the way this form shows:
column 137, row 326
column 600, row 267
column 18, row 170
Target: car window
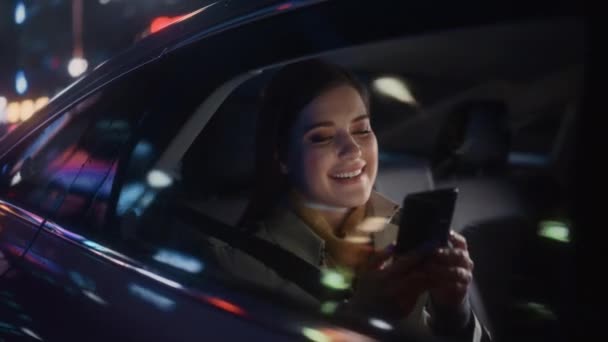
column 63, row 171
column 161, row 211
column 466, row 137
column 38, row 172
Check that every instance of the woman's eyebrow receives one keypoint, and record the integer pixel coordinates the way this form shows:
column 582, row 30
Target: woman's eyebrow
column 331, row 124
column 319, row 124
column 360, row 117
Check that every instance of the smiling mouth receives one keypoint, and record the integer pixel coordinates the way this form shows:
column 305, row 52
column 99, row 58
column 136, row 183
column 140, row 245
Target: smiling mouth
column 348, row 175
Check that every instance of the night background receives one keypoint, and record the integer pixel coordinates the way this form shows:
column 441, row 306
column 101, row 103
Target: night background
column 39, row 39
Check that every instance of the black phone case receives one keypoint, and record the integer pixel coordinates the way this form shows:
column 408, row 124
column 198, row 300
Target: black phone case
column 425, row 220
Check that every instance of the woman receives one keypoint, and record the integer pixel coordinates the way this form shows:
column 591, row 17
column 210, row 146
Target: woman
column 316, row 164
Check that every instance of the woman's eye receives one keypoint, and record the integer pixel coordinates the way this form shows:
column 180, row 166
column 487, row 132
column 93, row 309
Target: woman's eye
column 316, row 139
column 363, row 132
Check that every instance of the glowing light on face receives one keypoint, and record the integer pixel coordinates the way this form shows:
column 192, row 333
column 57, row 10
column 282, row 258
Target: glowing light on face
column 332, row 158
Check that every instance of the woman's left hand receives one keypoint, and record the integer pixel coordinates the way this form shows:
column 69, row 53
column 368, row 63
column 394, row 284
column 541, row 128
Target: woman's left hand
column 450, row 273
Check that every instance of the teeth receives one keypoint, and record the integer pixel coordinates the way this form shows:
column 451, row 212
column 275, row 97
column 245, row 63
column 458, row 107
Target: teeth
column 348, row 174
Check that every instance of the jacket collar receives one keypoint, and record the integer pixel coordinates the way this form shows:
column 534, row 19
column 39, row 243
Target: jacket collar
column 287, row 230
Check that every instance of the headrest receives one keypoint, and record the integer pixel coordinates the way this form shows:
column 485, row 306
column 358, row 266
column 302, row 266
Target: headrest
column 486, row 137
column 475, row 138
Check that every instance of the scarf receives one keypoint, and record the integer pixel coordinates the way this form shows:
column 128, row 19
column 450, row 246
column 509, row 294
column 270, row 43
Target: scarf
column 345, row 246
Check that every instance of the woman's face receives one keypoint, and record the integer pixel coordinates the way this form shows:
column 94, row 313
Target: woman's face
column 333, row 153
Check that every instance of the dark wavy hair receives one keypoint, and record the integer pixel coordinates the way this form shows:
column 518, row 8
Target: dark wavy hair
column 291, row 89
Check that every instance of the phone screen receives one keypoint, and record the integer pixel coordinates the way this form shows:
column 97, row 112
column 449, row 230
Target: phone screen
column 425, row 220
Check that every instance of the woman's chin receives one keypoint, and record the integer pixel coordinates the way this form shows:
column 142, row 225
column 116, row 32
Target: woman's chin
column 351, row 200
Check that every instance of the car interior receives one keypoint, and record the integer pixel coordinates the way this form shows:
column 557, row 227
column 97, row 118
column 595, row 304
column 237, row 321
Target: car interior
column 488, row 110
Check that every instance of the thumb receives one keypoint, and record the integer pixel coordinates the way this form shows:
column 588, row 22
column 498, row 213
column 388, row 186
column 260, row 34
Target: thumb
column 379, row 258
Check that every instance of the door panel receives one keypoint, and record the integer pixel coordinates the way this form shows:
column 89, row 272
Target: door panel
column 105, row 296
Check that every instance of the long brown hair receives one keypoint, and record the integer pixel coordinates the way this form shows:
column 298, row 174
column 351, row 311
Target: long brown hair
column 292, row 88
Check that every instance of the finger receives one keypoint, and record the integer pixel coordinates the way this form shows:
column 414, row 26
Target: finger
column 440, row 274
column 377, row 259
column 453, row 257
column 458, row 241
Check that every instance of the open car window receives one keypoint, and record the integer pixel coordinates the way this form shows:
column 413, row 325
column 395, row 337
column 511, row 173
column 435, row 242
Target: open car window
column 495, row 125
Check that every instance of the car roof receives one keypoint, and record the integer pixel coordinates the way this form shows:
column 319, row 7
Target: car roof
column 212, row 17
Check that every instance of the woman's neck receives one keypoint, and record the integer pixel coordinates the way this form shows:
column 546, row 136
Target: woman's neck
column 333, row 215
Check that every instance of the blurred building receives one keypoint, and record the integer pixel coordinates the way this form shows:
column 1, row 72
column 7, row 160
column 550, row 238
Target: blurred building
column 46, row 45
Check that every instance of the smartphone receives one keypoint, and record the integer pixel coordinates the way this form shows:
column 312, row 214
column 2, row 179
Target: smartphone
column 425, row 221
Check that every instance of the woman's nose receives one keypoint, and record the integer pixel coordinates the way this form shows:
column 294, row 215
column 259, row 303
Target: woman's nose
column 349, row 148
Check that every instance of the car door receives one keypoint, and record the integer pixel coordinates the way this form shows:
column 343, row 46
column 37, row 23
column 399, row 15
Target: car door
column 33, row 182
column 54, row 170
column 18, row 228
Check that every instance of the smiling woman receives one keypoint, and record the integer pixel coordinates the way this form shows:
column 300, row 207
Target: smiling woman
column 333, row 153
column 334, row 107
column 316, row 165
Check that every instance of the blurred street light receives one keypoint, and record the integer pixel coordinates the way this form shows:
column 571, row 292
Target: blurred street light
column 395, row 88
column 20, row 82
column 20, row 13
column 77, row 66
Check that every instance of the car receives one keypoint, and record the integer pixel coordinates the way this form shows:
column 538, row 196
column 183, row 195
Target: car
column 108, row 193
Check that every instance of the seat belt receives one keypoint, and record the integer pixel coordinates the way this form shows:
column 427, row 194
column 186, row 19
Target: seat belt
column 287, row 265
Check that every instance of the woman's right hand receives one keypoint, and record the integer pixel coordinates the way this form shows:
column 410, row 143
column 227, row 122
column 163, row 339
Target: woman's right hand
column 390, row 287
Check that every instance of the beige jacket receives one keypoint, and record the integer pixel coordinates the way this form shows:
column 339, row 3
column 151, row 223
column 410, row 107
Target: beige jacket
column 285, row 229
